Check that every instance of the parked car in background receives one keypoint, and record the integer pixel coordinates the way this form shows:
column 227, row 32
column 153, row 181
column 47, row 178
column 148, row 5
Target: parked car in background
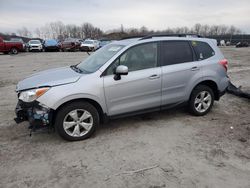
column 104, row 42
column 25, row 45
column 70, row 44
column 126, row 77
column 89, row 45
column 35, row 45
column 242, row 44
column 10, row 46
column 51, row 45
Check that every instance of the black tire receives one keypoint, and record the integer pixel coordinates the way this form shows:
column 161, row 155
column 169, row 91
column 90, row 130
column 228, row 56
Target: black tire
column 14, row 51
column 196, row 91
column 63, row 112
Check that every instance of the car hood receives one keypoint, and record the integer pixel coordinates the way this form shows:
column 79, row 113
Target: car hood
column 87, row 45
column 51, row 77
column 50, row 45
column 35, row 44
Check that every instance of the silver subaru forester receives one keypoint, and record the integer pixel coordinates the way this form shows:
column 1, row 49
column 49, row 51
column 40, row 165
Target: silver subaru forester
column 126, row 77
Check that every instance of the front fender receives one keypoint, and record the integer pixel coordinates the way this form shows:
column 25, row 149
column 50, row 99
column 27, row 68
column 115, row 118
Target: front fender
column 79, row 96
column 58, row 95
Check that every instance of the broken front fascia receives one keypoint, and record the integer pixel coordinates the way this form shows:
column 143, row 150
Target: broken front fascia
column 38, row 115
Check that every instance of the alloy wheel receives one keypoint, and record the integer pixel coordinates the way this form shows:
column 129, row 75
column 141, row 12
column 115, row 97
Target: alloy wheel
column 78, row 122
column 202, row 101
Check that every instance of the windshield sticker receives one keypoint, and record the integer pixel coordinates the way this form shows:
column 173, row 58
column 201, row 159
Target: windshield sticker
column 194, row 43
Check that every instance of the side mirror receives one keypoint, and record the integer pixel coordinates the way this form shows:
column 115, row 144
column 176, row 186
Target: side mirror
column 120, row 70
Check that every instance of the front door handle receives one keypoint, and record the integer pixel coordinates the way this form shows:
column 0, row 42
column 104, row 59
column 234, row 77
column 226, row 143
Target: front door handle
column 154, row 76
column 195, row 68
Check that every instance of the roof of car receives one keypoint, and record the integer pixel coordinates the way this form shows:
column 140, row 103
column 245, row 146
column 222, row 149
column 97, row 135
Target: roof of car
column 138, row 40
column 34, row 40
column 126, row 41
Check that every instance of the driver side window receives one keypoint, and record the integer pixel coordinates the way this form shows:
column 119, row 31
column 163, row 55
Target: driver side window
column 137, row 58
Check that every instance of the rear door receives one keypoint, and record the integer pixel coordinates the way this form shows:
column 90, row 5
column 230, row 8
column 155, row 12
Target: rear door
column 179, row 68
column 141, row 88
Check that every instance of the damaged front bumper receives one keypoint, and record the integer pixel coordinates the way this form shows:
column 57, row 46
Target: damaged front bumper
column 38, row 115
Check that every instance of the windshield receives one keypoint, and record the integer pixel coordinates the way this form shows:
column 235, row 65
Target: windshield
column 88, row 42
column 16, row 40
column 99, row 58
column 70, row 40
column 51, row 42
column 34, row 42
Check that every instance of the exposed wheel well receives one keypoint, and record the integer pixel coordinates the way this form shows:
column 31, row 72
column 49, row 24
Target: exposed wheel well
column 13, row 47
column 94, row 103
column 213, row 86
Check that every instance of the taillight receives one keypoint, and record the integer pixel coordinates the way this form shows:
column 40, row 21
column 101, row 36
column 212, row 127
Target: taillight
column 224, row 63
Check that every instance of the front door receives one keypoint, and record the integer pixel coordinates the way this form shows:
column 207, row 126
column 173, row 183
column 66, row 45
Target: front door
column 141, row 88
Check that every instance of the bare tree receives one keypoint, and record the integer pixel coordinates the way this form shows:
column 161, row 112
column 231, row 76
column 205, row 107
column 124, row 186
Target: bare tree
column 232, row 30
column 143, row 30
column 205, row 30
column 24, row 32
column 197, row 28
column 87, row 29
column 223, row 29
column 58, row 30
column 38, row 32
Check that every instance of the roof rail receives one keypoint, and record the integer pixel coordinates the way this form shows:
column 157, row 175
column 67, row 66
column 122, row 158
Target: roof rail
column 133, row 37
column 171, row 35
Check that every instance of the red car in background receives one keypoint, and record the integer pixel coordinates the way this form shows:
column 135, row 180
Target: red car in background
column 70, row 44
column 10, row 47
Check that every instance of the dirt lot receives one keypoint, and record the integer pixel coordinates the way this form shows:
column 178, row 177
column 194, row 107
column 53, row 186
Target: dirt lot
column 165, row 149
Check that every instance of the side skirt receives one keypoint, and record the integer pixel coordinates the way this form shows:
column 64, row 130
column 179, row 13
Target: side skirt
column 144, row 111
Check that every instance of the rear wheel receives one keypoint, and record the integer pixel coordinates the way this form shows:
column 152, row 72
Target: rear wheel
column 201, row 100
column 76, row 121
column 14, row 51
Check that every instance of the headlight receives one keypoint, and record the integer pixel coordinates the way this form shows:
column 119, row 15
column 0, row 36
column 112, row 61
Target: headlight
column 33, row 94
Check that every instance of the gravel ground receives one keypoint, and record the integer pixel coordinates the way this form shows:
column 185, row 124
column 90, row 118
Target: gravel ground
column 164, row 149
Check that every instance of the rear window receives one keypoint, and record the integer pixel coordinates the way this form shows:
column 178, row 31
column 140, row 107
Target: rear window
column 175, row 52
column 202, row 50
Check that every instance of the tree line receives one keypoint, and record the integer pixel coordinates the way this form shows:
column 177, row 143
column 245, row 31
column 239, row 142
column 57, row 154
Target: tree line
column 59, row 30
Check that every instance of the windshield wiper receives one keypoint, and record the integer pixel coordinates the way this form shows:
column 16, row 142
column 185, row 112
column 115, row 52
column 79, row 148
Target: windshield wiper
column 76, row 69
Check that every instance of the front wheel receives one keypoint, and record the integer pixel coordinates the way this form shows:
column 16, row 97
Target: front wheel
column 201, row 100
column 14, row 51
column 76, row 121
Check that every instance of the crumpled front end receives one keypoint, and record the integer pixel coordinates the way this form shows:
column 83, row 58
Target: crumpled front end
column 38, row 115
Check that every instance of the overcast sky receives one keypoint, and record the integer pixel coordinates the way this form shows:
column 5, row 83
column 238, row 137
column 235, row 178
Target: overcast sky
column 110, row 14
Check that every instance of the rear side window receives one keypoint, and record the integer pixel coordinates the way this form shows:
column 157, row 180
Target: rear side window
column 175, row 52
column 202, row 50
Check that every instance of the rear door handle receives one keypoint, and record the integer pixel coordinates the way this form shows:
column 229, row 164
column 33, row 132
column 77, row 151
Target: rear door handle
column 154, row 76
column 195, row 68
